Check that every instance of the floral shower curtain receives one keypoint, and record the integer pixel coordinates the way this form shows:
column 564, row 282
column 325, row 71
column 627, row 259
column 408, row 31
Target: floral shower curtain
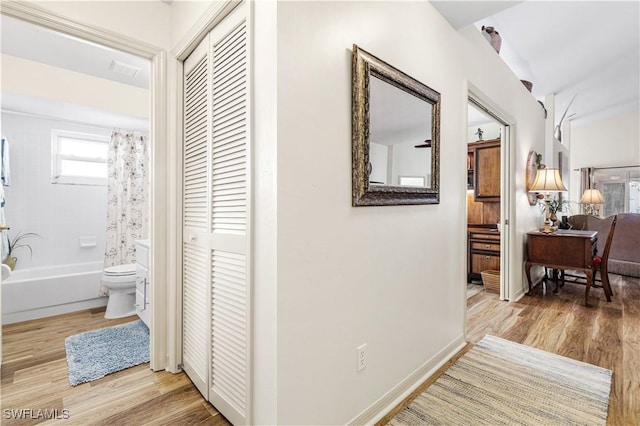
column 127, row 196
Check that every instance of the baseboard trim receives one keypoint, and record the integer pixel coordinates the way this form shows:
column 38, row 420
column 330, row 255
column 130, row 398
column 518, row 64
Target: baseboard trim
column 519, row 295
column 402, row 390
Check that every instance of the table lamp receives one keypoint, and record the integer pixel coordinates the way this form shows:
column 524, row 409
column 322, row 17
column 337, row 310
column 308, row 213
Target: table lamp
column 547, row 181
column 591, row 197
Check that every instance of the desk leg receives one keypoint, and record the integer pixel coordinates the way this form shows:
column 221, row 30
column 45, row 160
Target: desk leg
column 527, row 269
column 589, row 274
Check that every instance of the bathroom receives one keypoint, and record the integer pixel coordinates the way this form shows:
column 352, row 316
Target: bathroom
column 65, row 104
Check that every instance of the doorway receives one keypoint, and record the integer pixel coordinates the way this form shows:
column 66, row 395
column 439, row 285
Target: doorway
column 487, row 201
column 42, row 19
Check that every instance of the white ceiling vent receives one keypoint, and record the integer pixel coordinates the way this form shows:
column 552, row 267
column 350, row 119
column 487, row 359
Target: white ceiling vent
column 125, row 69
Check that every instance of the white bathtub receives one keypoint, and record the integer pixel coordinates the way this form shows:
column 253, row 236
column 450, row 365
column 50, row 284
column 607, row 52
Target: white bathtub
column 43, row 292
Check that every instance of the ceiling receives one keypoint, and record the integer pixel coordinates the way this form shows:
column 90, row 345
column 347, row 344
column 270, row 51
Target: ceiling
column 19, row 38
column 590, row 49
column 28, row 41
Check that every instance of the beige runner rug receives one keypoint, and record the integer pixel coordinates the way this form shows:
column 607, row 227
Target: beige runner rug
column 501, row 382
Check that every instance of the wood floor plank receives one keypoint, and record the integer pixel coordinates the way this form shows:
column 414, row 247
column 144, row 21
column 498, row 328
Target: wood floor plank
column 158, row 406
column 34, row 376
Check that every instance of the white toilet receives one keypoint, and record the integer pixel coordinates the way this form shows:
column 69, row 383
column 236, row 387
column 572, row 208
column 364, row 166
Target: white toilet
column 121, row 282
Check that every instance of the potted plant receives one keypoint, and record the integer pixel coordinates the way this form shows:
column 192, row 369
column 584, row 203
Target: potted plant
column 556, row 206
column 18, row 242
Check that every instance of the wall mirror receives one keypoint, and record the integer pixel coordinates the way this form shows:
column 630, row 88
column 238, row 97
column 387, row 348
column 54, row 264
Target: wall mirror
column 395, row 136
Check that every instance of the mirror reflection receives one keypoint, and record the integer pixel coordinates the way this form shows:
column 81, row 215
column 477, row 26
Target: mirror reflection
column 399, row 136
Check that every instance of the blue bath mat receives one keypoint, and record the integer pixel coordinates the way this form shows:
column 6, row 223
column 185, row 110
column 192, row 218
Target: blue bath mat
column 96, row 353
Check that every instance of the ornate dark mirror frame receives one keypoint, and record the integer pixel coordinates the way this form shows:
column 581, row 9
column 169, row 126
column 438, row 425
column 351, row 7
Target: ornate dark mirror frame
column 365, row 65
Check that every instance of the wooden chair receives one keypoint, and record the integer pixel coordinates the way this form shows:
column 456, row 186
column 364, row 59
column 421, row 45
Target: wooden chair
column 598, row 264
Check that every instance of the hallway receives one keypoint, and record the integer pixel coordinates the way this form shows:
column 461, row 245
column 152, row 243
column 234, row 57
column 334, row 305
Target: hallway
column 606, row 335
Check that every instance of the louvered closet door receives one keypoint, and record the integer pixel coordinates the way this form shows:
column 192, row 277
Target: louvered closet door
column 196, row 287
column 216, row 281
column 229, row 373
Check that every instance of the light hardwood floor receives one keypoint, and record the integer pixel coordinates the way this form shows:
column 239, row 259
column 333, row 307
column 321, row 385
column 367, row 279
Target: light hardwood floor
column 34, row 376
column 34, row 370
column 607, row 335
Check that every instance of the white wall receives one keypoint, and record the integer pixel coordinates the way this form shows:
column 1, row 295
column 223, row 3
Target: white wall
column 184, row 14
column 607, row 143
column 145, row 21
column 409, row 161
column 39, row 80
column 610, row 142
column 391, row 277
column 490, row 131
column 60, row 214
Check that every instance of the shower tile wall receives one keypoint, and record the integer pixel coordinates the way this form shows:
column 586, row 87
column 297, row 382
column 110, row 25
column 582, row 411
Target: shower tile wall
column 60, row 214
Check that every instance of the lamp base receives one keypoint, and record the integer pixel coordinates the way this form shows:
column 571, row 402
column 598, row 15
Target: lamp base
column 593, row 210
column 548, row 229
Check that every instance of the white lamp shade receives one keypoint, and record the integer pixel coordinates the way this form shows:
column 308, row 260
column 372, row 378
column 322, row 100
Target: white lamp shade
column 591, row 196
column 547, row 180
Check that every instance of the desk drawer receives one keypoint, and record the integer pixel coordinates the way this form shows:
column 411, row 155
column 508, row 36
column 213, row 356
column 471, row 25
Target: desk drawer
column 483, row 262
column 489, row 245
column 484, row 236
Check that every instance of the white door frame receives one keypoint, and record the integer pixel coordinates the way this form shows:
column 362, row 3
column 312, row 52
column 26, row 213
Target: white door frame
column 161, row 262
column 507, row 185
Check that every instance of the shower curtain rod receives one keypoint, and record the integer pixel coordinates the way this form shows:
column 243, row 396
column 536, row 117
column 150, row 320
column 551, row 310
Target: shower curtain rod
column 78, row 123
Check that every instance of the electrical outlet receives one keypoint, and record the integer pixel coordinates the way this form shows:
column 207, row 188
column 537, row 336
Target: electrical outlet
column 362, row 357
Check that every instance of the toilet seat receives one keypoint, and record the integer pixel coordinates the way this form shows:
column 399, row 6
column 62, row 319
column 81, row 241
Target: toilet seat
column 120, row 273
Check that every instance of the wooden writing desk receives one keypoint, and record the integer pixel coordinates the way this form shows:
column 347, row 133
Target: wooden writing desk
column 564, row 249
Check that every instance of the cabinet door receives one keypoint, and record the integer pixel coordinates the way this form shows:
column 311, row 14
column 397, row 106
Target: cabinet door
column 142, row 293
column 470, row 166
column 487, row 173
column 474, row 210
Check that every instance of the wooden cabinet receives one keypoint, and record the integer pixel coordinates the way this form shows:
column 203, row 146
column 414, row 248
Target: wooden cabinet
column 479, row 213
column 483, row 252
column 485, row 158
column 483, row 207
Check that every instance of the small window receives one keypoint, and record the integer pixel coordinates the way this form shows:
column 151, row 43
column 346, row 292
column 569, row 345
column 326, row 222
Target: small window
column 78, row 158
